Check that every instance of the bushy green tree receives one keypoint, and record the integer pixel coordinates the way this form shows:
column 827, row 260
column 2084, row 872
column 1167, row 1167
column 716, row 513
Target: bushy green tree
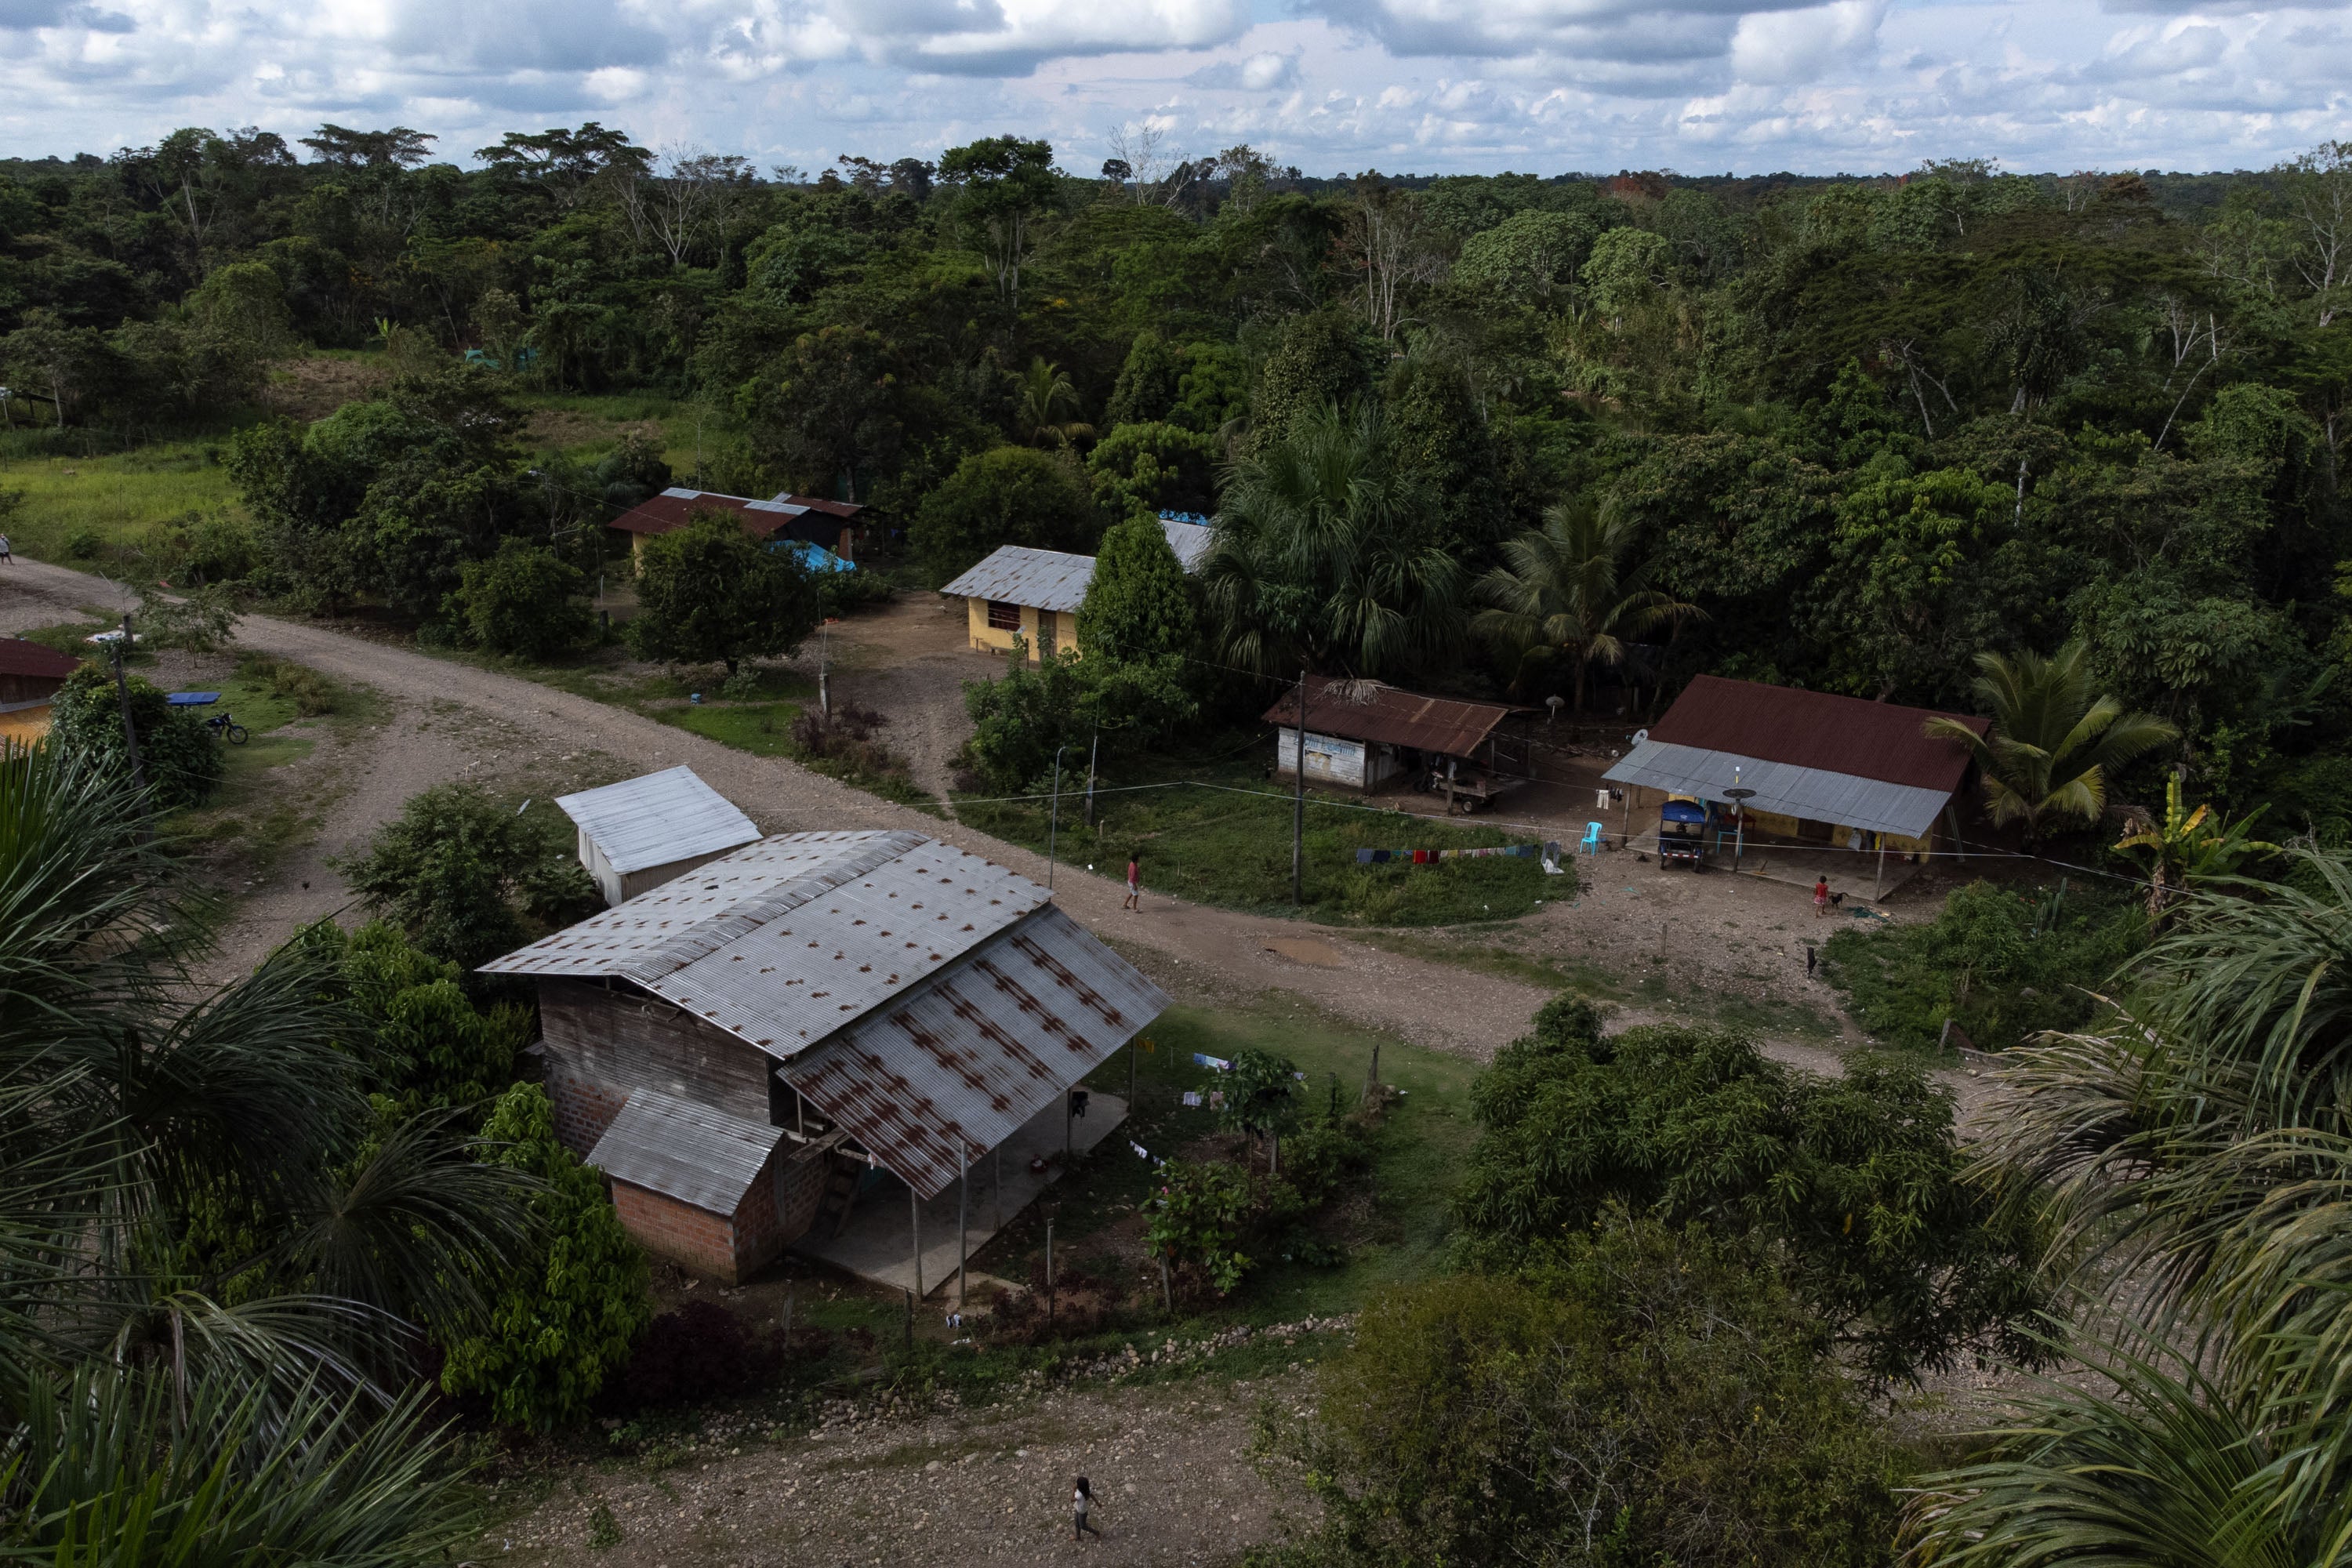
column 1643, row 1394
column 1147, row 387
column 710, row 593
column 1855, row 1182
column 567, row 1311
column 524, row 600
column 1138, row 605
column 181, row 759
column 1007, row 495
column 1150, row 469
column 460, row 874
column 1323, row 359
column 1530, row 257
column 433, row 1049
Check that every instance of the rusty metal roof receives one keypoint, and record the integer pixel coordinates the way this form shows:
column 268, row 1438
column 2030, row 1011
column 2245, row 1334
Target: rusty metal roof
column 657, row 818
column 18, row 657
column 970, row 1054
column 843, row 509
column 1816, row 730
column 1368, row 711
column 674, row 507
column 685, row 1150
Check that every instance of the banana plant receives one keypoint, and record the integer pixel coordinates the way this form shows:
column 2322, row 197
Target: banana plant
column 2189, row 845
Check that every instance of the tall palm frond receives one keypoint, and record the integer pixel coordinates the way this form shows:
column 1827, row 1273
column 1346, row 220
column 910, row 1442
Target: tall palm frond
column 2171, row 1468
column 1566, row 591
column 117, row 1467
column 1045, row 404
column 421, row 1228
column 2053, row 740
column 1319, row 557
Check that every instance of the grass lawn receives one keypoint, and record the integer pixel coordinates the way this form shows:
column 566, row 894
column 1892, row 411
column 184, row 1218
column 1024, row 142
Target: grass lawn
column 107, row 512
column 760, row 722
column 1396, row 1231
column 1225, row 838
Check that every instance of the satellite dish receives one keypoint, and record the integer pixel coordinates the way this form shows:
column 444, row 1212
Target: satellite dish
column 1640, row 737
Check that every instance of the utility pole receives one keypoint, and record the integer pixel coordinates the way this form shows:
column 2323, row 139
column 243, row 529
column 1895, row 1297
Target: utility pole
column 1094, row 755
column 1299, row 801
column 122, row 700
column 1054, row 823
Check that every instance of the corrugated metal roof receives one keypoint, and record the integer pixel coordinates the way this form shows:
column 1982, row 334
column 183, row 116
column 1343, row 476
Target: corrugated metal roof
column 784, row 943
column 1190, row 540
column 685, row 1150
column 18, row 657
column 1815, row 795
column 657, row 818
column 1016, row 575
column 970, row 1054
column 1368, row 711
column 675, row 506
column 1816, row 730
column 840, row 508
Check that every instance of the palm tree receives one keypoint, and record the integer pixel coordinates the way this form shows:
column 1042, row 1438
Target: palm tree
column 2053, row 740
column 205, row 1245
column 2195, row 1162
column 1567, row 593
column 1317, row 560
column 1042, row 399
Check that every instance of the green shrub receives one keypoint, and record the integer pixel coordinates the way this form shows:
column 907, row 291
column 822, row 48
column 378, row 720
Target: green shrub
column 433, row 1048
column 710, row 593
column 1199, row 1210
column 2001, row 963
column 460, row 874
column 525, row 600
column 310, row 692
column 1855, row 1182
column 84, row 544
column 1647, row 1398
column 566, row 1315
column 1007, row 495
column 180, row 757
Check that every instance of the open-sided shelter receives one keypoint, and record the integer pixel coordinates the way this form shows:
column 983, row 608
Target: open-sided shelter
column 1365, row 735
column 1034, row 594
column 806, row 1008
column 1824, row 769
column 30, row 677
column 642, row 832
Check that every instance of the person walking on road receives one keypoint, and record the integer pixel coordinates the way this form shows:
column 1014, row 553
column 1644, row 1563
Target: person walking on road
column 1080, row 1500
column 1821, row 898
column 7, row 556
column 1134, row 899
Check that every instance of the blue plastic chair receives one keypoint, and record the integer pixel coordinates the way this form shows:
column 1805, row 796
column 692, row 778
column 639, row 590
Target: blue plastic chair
column 1590, row 843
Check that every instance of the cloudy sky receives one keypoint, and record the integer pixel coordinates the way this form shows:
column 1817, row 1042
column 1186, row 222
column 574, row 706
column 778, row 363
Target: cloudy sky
column 1433, row 86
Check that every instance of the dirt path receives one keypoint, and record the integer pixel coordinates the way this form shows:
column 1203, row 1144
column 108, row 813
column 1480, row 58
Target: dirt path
column 1166, row 1463
column 444, row 719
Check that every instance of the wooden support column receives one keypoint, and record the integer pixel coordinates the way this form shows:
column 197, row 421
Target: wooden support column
column 915, row 1232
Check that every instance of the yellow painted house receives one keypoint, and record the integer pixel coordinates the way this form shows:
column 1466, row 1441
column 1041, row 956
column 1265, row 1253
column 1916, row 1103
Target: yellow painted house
column 1034, row 594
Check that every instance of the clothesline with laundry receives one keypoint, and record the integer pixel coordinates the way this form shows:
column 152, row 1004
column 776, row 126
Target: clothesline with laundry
column 1429, row 856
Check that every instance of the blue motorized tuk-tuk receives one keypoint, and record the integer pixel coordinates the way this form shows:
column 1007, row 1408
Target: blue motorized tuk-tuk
column 1682, row 833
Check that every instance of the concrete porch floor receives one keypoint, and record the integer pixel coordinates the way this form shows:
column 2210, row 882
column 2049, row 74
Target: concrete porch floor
column 877, row 1246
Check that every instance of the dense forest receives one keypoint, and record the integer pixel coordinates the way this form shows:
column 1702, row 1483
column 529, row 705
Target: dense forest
column 1844, row 433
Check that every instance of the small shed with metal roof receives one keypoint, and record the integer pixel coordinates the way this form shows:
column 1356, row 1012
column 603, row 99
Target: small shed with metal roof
column 1034, row 595
column 642, row 832
column 873, row 1000
column 1366, row 735
column 1819, row 767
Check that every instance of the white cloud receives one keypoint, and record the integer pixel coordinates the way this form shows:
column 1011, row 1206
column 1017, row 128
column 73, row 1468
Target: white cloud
column 1434, row 85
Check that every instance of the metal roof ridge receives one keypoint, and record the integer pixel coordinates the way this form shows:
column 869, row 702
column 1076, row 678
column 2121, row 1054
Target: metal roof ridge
column 706, row 937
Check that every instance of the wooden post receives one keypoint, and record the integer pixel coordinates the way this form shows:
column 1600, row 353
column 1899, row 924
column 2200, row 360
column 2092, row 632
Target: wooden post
column 997, row 1184
column 963, row 1207
column 911, row 1319
column 1167, row 1303
column 1049, row 1275
column 1878, row 883
column 1134, row 1049
column 1299, row 800
column 1068, row 1120
column 123, row 697
column 915, row 1231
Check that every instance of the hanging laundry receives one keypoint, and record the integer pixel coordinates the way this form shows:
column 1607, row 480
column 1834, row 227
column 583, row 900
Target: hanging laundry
column 1140, row 1151
column 1602, row 803
column 1364, row 856
column 1193, row 1098
column 1217, row 1064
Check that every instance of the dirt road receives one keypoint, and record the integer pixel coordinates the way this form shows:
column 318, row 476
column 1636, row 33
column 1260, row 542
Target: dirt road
column 443, row 719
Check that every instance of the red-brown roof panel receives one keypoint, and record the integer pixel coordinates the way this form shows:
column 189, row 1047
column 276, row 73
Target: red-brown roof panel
column 1368, row 711
column 1882, row 740
column 18, row 657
